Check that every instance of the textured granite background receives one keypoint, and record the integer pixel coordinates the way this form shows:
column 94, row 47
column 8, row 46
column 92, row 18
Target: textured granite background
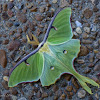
column 21, row 17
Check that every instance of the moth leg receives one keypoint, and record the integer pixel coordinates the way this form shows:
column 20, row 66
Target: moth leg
column 35, row 42
column 26, row 63
column 54, row 28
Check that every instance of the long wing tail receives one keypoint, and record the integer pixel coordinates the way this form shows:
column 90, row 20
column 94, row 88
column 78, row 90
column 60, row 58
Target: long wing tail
column 83, row 80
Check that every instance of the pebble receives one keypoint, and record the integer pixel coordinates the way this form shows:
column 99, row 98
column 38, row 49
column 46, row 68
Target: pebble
column 95, row 9
column 71, row 93
column 0, row 35
column 39, row 17
column 21, row 17
column 22, row 98
column 78, row 30
column 5, row 7
column 83, row 65
column 75, row 35
column 62, row 97
column 91, row 57
column 95, row 51
column 98, row 75
column 90, row 48
column 24, row 11
column 33, row 9
column 5, row 84
column 5, row 16
column 20, row 30
column 0, row 42
column 18, row 35
column 42, row 9
column 98, row 56
column 55, row 97
column 80, row 61
column 7, row 96
column 38, row 31
column 20, row 6
column 67, row 77
column 87, row 13
column 10, row 13
column 95, row 44
column 78, row 24
column 69, row 88
column 13, row 91
column 3, row 58
column 87, row 41
column 14, row 97
column 5, row 42
column 70, row 1
column 63, row 84
column 91, row 65
column 97, row 67
column 92, row 1
column 14, row 45
column 54, row 1
column 31, row 26
column 55, row 88
column 92, row 37
column 74, row 90
column 93, row 28
column 97, row 96
column 6, row 72
column 5, row 78
column 11, row 0
column 38, row 94
column 95, row 79
column 9, row 24
column 81, row 93
column 0, row 8
column 16, row 24
column 29, row 5
column 25, row 27
column 10, row 5
column 74, row 81
column 44, row 95
column 68, row 95
column 85, row 35
column 73, row 25
column 96, row 20
column 83, row 51
column 87, row 29
column 63, row 3
column 87, row 70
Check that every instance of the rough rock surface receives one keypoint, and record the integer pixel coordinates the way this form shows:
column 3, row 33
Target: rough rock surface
column 3, row 58
column 21, row 17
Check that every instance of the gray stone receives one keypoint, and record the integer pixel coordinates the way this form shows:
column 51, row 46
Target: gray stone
column 93, row 29
column 54, row 1
column 81, row 93
column 22, row 98
column 87, row 29
column 78, row 30
column 78, row 24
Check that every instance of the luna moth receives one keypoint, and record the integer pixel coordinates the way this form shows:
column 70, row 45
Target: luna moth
column 53, row 57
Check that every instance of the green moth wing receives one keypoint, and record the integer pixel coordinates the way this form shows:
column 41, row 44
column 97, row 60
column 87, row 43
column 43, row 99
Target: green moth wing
column 59, row 59
column 27, row 73
column 62, row 28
